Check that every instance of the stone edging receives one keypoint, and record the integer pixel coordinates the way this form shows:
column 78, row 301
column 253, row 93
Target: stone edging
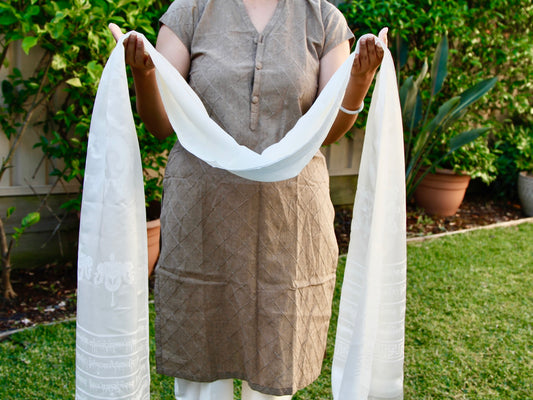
column 6, row 334
column 505, row 224
column 515, row 222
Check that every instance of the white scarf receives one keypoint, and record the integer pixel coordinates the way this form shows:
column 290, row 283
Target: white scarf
column 112, row 339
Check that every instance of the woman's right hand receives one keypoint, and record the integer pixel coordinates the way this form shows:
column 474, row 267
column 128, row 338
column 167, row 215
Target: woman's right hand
column 136, row 56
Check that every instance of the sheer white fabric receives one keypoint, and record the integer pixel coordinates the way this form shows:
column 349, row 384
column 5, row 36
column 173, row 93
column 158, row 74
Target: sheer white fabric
column 368, row 357
column 112, row 346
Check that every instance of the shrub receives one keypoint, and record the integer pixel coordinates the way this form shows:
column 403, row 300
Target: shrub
column 487, row 38
column 76, row 44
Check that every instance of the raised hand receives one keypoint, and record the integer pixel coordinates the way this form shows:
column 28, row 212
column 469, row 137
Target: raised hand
column 370, row 55
column 136, row 57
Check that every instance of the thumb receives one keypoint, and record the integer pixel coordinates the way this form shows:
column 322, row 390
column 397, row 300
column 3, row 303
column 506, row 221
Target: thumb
column 115, row 30
column 383, row 35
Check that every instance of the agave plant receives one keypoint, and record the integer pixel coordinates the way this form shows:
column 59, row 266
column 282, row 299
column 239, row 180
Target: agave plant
column 424, row 133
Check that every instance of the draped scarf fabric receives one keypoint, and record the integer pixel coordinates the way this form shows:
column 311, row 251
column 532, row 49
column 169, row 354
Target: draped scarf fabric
column 112, row 338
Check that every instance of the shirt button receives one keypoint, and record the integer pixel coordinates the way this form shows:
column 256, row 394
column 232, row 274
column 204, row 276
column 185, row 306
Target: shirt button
column 255, row 99
column 258, row 66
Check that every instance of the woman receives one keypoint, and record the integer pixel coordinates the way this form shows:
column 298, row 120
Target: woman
column 245, row 278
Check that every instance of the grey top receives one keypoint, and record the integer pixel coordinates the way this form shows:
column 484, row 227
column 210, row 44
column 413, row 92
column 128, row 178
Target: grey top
column 256, row 86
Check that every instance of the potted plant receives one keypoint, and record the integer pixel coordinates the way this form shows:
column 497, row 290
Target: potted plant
column 524, row 161
column 429, row 139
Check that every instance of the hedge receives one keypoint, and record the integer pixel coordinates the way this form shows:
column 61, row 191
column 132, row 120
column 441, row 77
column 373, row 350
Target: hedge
column 487, row 38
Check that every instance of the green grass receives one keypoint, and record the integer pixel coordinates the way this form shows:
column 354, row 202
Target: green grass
column 468, row 335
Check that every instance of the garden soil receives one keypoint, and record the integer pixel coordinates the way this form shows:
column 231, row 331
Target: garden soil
column 47, row 294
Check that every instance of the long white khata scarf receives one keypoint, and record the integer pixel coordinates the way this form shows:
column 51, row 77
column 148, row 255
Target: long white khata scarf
column 112, row 339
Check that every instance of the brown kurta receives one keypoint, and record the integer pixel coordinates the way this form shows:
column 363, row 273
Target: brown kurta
column 246, row 274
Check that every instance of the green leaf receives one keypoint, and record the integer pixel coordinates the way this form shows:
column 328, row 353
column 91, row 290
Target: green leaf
column 81, row 129
column 58, row 17
column 31, row 11
column 404, row 89
column 28, row 43
column 10, row 211
column 465, row 137
column 402, row 50
column 7, row 89
column 74, row 204
column 7, row 19
column 471, row 95
column 439, row 66
column 59, row 62
column 475, row 92
column 95, row 70
column 30, row 219
column 443, row 112
column 74, row 82
column 422, row 74
column 411, row 104
column 57, row 29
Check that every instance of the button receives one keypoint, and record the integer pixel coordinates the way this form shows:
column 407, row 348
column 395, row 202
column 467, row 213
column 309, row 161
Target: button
column 255, row 99
column 259, row 65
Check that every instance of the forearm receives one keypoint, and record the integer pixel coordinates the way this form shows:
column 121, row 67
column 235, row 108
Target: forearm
column 149, row 104
column 353, row 98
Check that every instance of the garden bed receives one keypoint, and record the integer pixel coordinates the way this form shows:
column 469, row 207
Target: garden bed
column 48, row 294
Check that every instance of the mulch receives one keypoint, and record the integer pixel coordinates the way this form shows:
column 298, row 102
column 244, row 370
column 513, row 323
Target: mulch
column 44, row 294
column 47, row 294
column 476, row 210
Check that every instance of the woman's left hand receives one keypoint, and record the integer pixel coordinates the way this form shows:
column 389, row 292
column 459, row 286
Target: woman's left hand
column 370, row 55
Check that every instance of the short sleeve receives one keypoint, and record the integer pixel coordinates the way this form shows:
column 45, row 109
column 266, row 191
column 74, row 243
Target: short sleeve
column 336, row 28
column 182, row 17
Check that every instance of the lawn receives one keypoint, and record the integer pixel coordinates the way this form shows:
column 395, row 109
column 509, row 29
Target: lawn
column 468, row 328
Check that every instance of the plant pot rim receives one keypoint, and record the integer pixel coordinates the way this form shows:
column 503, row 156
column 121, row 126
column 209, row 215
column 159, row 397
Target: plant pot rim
column 447, row 171
column 153, row 223
column 527, row 174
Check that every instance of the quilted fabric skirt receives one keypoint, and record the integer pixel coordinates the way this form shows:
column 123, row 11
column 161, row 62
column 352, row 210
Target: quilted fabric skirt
column 246, row 274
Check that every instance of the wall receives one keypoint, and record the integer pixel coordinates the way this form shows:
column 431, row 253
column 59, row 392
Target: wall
column 28, row 187
column 343, row 159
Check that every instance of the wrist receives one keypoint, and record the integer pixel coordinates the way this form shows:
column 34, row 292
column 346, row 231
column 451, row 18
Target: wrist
column 142, row 73
column 351, row 111
column 361, row 79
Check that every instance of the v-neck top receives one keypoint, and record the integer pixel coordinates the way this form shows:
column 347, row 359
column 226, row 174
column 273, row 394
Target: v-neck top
column 272, row 18
column 256, row 85
column 245, row 277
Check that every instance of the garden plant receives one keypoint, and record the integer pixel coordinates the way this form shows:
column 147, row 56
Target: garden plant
column 485, row 39
column 429, row 141
column 72, row 41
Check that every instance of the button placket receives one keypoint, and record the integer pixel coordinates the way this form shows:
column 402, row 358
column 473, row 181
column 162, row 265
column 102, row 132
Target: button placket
column 256, row 85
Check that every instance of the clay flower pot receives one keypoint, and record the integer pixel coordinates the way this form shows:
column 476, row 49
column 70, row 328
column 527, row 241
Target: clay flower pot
column 441, row 193
column 525, row 192
column 153, row 229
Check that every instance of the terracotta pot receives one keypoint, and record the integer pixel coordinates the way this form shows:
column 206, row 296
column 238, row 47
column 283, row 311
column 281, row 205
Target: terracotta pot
column 442, row 193
column 153, row 229
column 525, row 192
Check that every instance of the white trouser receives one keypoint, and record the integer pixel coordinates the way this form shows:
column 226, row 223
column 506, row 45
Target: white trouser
column 217, row 390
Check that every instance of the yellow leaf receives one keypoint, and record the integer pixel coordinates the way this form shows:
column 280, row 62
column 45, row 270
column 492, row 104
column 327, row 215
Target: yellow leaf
column 74, row 82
